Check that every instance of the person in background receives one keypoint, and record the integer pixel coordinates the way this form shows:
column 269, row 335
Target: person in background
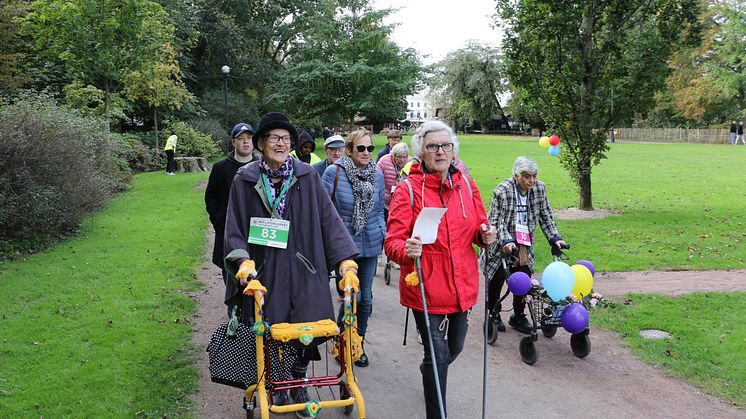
column 334, row 148
column 449, row 265
column 733, row 132
column 277, row 189
column 391, row 166
column 393, row 138
column 304, row 150
column 326, row 133
column 356, row 188
column 170, row 149
column 518, row 204
column 740, row 134
column 219, row 186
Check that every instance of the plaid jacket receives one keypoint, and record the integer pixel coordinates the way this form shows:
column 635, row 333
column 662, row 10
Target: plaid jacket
column 502, row 216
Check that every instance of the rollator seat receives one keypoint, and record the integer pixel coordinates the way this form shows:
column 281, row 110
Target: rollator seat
column 285, row 332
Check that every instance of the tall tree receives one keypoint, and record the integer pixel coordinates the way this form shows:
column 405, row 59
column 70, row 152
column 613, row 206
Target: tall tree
column 11, row 55
column 468, row 82
column 98, row 42
column 347, row 66
column 586, row 65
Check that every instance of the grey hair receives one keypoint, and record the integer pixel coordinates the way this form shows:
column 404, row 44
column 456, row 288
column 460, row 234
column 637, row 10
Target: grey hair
column 400, row 149
column 428, row 127
column 525, row 164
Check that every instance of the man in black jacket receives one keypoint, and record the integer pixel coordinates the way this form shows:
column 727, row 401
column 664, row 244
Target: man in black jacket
column 219, row 185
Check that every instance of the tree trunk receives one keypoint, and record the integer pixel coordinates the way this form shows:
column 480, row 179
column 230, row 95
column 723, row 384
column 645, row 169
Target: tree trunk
column 155, row 123
column 586, row 195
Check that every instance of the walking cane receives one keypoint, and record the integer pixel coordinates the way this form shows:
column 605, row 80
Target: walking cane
column 418, row 264
column 486, row 332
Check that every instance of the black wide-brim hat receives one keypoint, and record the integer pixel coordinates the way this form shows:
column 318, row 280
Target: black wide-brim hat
column 270, row 121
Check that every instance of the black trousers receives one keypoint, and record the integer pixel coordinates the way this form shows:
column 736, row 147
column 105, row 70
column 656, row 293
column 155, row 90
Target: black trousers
column 170, row 161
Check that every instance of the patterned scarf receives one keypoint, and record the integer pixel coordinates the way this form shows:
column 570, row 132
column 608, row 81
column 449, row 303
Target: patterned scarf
column 363, row 190
column 283, row 173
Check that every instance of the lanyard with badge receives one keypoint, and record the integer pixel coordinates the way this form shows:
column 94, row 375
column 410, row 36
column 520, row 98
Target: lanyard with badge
column 522, row 234
column 272, row 232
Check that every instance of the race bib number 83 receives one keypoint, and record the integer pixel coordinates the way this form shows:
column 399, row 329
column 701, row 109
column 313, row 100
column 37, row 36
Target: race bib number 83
column 270, row 232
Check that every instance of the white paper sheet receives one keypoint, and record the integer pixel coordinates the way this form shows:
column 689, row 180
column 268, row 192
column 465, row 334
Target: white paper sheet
column 427, row 222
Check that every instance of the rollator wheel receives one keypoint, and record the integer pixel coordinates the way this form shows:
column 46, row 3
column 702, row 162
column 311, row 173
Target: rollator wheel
column 528, row 350
column 580, row 344
column 491, row 330
column 387, row 274
column 344, row 394
column 548, row 330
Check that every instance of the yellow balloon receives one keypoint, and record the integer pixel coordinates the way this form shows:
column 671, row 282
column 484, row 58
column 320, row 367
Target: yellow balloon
column 583, row 281
column 544, row 142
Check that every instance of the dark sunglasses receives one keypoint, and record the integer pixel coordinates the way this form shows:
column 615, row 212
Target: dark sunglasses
column 362, row 148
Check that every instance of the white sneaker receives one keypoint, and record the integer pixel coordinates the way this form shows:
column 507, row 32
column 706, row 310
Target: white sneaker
column 171, row 174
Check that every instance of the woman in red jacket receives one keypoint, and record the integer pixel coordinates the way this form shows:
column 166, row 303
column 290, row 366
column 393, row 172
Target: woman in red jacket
column 449, row 266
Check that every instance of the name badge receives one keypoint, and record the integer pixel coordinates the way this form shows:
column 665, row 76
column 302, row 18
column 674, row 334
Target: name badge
column 522, row 236
column 271, row 232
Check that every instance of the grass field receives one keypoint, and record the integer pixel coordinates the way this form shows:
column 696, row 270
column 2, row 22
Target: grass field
column 681, row 206
column 99, row 326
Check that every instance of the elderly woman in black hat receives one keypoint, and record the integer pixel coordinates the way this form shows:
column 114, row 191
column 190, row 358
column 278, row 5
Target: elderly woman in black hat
column 309, row 237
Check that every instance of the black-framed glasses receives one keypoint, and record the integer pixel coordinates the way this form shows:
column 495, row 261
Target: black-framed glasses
column 274, row 138
column 433, row 148
column 362, row 148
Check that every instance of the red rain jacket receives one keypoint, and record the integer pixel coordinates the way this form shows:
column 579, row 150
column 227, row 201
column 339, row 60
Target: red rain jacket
column 449, row 265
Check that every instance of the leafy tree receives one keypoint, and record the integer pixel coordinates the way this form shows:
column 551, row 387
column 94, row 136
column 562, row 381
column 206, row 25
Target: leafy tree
column 584, row 66
column 11, row 56
column 468, row 81
column 347, row 66
column 727, row 63
column 98, row 42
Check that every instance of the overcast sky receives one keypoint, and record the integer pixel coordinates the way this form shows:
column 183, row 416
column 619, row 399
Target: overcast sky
column 437, row 27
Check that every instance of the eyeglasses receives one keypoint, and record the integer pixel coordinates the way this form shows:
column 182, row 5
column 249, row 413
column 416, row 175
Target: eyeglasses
column 274, row 138
column 433, row 148
column 362, row 148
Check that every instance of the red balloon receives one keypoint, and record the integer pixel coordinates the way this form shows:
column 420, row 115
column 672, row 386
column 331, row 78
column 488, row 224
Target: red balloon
column 554, row 139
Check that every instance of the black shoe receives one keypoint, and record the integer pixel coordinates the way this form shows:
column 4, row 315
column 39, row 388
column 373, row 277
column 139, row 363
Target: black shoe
column 280, row 398
column 500, row 324
column 520, row 323
column 363, row 361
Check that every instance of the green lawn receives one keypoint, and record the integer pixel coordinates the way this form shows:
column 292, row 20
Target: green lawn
column 99, row 325
column 708, row 337
column 681, row 206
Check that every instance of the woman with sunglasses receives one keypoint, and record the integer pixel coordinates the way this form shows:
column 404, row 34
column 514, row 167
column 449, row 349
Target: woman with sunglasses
column 449, row 265
column 356, row 188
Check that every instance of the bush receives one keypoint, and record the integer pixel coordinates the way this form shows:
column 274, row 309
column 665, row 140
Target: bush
column 136, row 155
column 191, row 142
column 55, row 166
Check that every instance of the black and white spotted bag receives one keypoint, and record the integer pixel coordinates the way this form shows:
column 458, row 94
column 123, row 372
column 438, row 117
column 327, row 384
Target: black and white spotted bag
column 233, row 356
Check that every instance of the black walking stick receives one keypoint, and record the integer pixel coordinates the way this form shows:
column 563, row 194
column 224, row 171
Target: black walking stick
column 418, row 264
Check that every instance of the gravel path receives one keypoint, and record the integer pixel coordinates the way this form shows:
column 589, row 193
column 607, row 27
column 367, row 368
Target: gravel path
column 610, row 382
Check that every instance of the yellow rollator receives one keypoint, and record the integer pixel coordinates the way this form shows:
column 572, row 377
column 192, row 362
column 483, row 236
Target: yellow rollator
column 347, row 349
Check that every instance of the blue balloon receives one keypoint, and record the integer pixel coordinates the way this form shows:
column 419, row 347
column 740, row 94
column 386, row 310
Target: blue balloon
column 558, row 280
column 575, row 318
column 519, row 283
column 553, row 150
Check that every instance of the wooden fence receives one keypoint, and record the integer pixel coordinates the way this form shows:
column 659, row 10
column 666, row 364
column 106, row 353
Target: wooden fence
column 672, row 135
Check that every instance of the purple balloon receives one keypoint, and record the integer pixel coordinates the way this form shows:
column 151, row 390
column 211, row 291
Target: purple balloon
column 588, row 265
column 519, row 283
column 575, row 318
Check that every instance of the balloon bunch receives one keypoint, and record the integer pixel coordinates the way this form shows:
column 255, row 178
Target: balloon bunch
column 560, row 281
column 551, row 144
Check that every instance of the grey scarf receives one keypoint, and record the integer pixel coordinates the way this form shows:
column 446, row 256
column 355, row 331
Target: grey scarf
column 363, row 182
